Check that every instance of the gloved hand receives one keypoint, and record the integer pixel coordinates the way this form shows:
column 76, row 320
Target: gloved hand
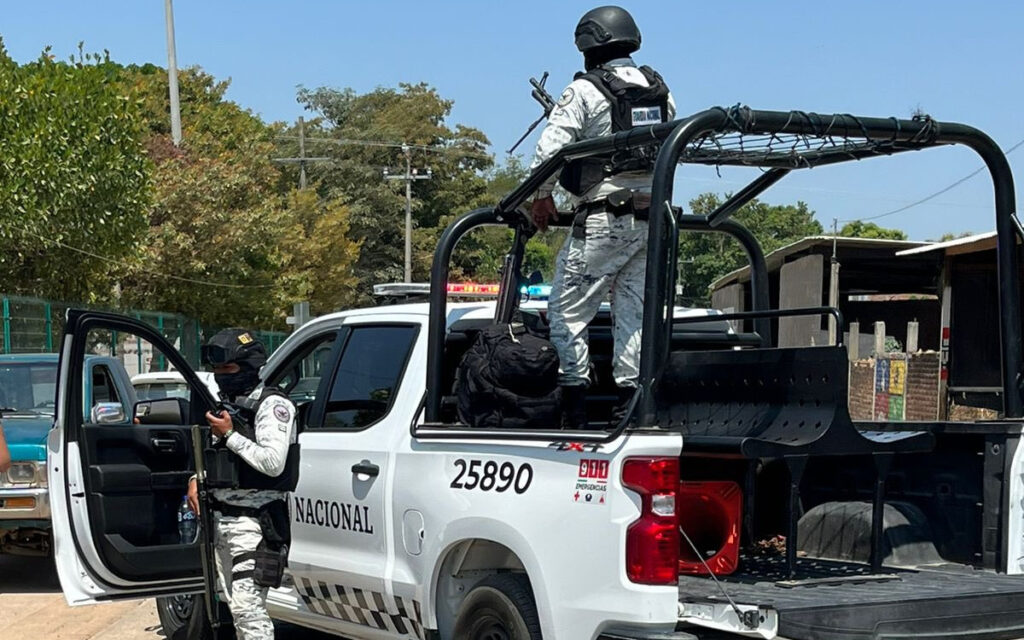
column 543, row 210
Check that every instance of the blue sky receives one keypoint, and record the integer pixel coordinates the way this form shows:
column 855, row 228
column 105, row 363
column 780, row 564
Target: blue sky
column 957, row 61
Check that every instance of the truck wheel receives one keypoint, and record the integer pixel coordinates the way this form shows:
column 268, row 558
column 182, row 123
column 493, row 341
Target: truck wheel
column 184, row 618
column 499, row 607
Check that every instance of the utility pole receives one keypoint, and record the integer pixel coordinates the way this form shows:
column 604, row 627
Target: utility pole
column 302, row 153
column 302, row 160
column 409, row 175
column 172, row 75
column 833, row 286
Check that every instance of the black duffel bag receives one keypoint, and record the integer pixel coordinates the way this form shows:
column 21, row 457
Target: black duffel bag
column 509, row 379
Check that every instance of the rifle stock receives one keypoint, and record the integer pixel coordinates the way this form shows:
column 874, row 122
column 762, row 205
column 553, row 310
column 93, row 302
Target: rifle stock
column 206, row 529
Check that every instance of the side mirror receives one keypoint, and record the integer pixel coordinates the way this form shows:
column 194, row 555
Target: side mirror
column 108, row 413
column 163, row 411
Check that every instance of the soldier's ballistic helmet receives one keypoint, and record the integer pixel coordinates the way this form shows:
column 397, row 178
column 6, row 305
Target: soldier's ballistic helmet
column 606, row 26
column 234, row 345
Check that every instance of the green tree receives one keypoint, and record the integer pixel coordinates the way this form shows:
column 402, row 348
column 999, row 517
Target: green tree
column 706, row 256
column 860, row 229
column 363, row 134
column 217, row 217
column 74, row 175
column 318, row 254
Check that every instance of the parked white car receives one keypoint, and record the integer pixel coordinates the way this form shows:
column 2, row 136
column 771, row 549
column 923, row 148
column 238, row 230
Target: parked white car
column 169, row 384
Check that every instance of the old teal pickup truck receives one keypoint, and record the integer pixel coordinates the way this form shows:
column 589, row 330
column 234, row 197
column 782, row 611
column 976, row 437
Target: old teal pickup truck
column 27, row 390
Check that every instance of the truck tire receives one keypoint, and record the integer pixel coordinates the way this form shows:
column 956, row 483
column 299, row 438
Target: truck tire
column 499, row 607
column 184, row 618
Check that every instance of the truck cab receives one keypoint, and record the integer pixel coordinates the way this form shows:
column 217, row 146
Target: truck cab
column 736, row 498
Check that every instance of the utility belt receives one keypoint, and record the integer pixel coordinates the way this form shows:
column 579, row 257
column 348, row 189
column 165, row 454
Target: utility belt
column 623, row 202
column 271, row 554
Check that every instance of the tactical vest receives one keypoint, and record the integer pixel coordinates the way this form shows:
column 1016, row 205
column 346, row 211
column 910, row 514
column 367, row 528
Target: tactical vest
column 225, row 470
column 631, row 105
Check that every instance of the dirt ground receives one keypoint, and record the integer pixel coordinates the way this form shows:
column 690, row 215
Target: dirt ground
column 32, row 606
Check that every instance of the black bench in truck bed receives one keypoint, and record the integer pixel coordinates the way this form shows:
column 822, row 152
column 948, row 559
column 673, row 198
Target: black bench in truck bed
column 844, row 601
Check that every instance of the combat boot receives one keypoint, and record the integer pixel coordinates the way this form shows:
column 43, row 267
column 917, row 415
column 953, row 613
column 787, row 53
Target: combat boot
column 574, row 407
column 625, row 396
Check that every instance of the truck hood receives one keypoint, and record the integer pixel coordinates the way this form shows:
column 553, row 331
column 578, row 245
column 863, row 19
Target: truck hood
column 26, row 435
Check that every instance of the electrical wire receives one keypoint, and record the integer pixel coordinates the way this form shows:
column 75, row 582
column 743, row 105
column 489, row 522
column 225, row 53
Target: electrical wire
column 936, row 194
column 391, row 145
column 170, row 276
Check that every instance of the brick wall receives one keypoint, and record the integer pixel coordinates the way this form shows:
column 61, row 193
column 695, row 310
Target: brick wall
column 862, row 388
column 921, row 396
column 922, row 401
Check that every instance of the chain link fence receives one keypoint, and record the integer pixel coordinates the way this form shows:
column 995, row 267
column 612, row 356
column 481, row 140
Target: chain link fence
column 35, row 325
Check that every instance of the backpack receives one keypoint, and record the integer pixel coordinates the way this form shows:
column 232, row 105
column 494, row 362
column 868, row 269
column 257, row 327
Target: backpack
column 508, row 379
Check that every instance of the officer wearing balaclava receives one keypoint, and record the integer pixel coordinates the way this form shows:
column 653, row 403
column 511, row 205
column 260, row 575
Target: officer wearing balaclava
column 260, row 433
column 606, row 251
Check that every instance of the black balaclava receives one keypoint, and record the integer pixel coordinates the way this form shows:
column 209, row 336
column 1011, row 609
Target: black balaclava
column 240, row 383
column 600, row 55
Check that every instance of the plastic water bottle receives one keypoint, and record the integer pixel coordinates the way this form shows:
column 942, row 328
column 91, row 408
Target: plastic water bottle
column 188, row 528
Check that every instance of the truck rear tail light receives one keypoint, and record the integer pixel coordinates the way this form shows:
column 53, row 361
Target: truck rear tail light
column 652, row 541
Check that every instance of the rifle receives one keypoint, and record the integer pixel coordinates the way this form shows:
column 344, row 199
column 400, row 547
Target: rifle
column 205, row 517
column 541, row 95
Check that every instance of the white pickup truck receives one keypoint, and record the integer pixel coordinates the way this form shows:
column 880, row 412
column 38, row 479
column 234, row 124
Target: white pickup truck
column 403, row 534
column 736, row 459
column 393, row 536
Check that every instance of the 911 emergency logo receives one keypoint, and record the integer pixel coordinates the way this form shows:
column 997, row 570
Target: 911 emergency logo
column 591, row 482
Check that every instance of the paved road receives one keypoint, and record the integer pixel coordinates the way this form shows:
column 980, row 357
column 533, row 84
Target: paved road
column 32, row 606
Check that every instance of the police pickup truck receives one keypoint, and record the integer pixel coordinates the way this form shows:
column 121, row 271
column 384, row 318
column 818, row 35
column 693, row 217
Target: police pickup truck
column 736, row 498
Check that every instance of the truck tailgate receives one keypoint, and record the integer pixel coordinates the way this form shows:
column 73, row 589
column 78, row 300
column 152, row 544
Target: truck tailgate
column 843, row 601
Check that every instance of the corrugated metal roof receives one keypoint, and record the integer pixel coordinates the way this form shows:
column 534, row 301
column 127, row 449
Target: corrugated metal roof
column 969, row 244
column 777, row 257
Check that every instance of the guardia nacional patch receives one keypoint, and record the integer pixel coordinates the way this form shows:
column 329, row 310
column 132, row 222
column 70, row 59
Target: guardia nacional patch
column 567, row 97
column 282, row 413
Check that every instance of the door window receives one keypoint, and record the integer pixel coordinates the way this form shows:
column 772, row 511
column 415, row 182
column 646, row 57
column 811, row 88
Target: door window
column 368, row 375
column 103, row 387
column 300, row 376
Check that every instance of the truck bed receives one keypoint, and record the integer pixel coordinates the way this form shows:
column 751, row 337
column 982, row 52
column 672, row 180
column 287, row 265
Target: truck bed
column 842, row 601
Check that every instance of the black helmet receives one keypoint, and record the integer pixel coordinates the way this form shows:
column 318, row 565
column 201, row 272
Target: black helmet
column 603, row 26
column 234, row 345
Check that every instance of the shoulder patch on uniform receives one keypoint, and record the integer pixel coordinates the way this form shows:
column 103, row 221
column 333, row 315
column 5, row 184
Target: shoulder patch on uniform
column 245, row 338
column 282, row 413
column 567, row 97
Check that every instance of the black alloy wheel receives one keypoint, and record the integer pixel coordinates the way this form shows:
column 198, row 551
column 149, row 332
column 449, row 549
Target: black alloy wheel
column 499, row 607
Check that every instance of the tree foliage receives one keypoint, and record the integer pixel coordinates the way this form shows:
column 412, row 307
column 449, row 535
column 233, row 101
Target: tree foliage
column 860, row 229
column 363, row 134
column 216, row 214
column 704, row 257
column 72, row 174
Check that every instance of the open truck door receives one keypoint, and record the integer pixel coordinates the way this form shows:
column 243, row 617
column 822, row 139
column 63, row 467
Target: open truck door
column 116, row 481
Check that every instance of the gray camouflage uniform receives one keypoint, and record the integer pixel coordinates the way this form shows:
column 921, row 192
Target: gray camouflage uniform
column 612, row 257
column 235, row 536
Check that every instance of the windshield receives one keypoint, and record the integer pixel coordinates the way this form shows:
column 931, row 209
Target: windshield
column 28, row 388
column 160, row 390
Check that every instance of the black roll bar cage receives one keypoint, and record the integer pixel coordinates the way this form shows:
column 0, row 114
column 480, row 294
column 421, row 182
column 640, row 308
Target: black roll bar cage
column 697, row 139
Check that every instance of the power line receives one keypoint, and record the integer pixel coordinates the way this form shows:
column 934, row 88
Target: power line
column 936, row 194
column 144, row 269
column 392, row 145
